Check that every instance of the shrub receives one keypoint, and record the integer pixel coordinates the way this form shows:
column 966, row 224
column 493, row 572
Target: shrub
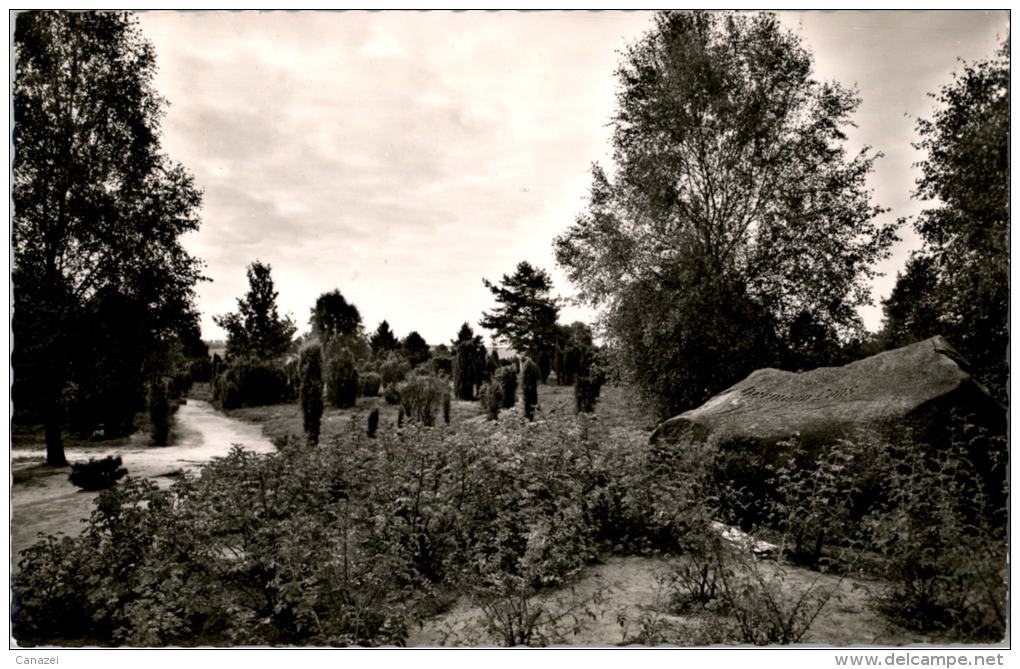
column 442, row 365
column 311, row 392
column 506, row 379
column 392, row 394
column 586, row 393
column 421, row 398
column 97, row 474
column 201, row 370
column 373, row 423
column 394, row 370
column 370, row 384
column 529, row 387
column 159, row 412
column 344, row 545
column 250, row 382
column 945, row 541
column 491, row 398
column 341, row 377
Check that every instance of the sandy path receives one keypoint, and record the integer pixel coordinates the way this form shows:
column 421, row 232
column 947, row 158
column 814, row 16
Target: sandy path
column 44, row 501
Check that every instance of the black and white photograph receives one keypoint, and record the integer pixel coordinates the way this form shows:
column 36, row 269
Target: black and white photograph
column 579, row 329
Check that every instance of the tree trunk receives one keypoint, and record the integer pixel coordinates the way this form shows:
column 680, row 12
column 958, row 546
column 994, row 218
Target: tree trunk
column 54, row 438
column 53, row 415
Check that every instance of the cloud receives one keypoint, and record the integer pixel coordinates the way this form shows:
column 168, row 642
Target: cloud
column 403, row 156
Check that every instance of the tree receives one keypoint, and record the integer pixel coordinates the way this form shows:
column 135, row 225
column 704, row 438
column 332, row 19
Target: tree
column 332, row 316
column 912, row 311
column 525, row 315
column 311, row 392
column 97, row 205
column 966, row 234
column 573, row 343
column 734, row 207
column 383, row 340
column 256, row 329
column 469, row 363
column 416, row 350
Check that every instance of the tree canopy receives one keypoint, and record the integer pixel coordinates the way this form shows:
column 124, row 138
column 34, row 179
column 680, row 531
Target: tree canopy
column 525, row 313
column 383, row 340
column 98, row 208
column 962, row 273
column 333, row 316
column 416, row 350
column 256, row 329
column 734, row 209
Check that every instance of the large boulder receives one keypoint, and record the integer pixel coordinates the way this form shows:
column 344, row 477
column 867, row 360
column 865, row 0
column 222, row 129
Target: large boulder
column 913, row 389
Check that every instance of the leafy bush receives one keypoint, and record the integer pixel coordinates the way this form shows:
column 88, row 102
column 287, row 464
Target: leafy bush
column 392, row 394
column 250, row 382
column 586, row 392
column 341, row 377
column 159, row 412
column 421, row 398
column 332, row 546
column 529, row 382
column 506, row 378
column 394, row 369
column 491, row 398
column 311, row 392
column 370, row 384
column 943, row 534
column 97, row 474
column 201, row 370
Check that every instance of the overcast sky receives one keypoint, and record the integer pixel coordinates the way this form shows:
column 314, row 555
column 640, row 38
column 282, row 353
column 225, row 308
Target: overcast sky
column 403, row 156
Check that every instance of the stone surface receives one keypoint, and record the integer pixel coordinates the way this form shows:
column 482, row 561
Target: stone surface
column 915, row 386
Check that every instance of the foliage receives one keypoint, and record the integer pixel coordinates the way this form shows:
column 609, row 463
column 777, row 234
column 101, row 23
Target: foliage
column 370, row 384
column 341, row 376
column 334, row 546
column 765, row 610
column 249, row 382
column 525, row 315
column 529, row 388
column 415, row 349
column 92, row 217
column 159, row 412
column 943, row 531
column 573, row 344
column 394, row 369
column 256, row 330
column 391, row 394
column 491, row 398
column 383, row 340
column 963, row 269
column 311, row 392
column 333, row 317
column 734, row 208
column 506, row 380
column 586, row 393
column 421, row 398
column 97, row 474
column 469, row 363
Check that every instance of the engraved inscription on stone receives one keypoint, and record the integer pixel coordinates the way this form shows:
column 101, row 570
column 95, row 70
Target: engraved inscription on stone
column 827, row 394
